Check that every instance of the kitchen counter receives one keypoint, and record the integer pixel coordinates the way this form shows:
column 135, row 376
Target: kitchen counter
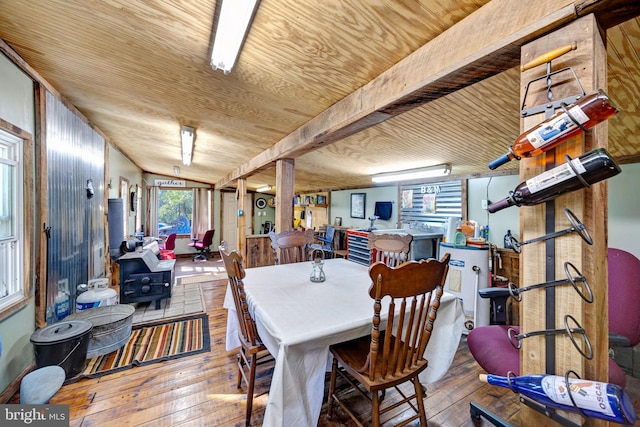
column 424, row 245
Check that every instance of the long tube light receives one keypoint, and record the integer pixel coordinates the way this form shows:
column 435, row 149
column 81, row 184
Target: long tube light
column 233, row 23
column 187, row 134
column 411, row 174
column 264, row 188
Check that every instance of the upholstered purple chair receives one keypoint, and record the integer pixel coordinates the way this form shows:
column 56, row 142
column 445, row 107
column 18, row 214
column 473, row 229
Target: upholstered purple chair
column 492, row 350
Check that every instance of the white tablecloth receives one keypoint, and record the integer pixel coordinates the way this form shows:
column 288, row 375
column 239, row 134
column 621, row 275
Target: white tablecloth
column 298, row 320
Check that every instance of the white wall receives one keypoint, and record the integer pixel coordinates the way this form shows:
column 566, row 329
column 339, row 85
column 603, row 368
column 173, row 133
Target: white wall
column 17, row 106
column 341, row 206
column 121, row 166
column 624, row 208
column 493, row 189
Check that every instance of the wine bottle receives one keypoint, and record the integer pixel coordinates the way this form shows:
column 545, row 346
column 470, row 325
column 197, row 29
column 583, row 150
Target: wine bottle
column 596, row 399
column 588, row 112
column 592, row 167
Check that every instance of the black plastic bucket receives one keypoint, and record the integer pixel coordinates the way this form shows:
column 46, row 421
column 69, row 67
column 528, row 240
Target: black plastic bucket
column 64, row 344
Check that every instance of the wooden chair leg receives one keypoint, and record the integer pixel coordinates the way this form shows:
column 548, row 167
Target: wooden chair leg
column 252, row 380
column 240, row 365
column 375, row 409
column 332, row 388
column 420, row 401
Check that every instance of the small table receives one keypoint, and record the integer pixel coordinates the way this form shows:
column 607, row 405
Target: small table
column 298, row 320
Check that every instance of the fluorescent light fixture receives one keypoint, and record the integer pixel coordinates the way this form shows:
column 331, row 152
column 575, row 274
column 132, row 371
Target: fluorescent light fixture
column 264, row 188
column 411, row 174
column 233, row 22
column 187, row 134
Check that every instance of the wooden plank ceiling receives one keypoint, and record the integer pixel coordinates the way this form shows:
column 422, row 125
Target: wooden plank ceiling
column 139, row 69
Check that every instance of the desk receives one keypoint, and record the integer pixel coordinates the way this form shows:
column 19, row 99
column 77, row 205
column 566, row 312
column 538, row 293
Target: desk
column 298, row 320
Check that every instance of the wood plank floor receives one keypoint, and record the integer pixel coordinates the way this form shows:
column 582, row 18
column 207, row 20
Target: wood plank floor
column 201, row 390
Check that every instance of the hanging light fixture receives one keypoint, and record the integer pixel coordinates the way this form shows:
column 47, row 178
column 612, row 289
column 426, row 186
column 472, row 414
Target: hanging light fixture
column 233, row 23
column 187, row 135
column 411, row 174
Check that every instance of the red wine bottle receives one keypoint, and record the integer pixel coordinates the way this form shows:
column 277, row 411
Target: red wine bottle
column 592, row 167
column 587, row 112
column 596, row 399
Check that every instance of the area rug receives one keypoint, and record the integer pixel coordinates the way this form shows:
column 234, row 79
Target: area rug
column 151, row 344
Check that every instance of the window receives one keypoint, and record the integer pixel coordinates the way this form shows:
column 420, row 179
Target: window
column 175, row 212
column 11, row 220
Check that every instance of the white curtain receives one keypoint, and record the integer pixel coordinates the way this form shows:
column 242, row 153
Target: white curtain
column 152, row 211
column 202, row 211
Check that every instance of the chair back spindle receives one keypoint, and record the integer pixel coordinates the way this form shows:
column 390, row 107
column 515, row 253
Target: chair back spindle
column 291, row 246
column 414, row 290
column 236, row 273
column 389, row 248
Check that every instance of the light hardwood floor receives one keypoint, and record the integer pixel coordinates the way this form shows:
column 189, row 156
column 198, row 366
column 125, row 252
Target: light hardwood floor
column 201, row 390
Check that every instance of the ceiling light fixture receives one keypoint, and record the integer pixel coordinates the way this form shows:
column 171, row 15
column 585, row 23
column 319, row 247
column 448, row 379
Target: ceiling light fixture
column 411, row 174
column 176, row 171
column 233, row 23
column 187, row 135
column 264, row 188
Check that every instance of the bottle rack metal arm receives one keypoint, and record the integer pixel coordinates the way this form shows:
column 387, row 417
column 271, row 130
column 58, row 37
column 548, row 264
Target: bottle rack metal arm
column 516, row 339
column 516, row 293
column 576, row 226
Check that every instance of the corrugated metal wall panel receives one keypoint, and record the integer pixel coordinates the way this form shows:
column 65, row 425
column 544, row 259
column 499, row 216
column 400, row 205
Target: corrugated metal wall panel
column 75, row 154
column 448, row 202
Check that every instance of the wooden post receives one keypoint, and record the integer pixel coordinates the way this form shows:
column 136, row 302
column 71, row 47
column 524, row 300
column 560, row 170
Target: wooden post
column 242, row 219
column 589, row 205
column 285, row 183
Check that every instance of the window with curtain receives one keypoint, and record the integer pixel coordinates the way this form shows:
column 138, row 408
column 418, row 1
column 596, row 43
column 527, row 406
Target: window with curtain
column 175, row 211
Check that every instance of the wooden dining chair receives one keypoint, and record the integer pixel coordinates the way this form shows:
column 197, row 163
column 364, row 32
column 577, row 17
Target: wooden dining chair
column 252, row 352
column 291, row 246
column 391, row 355
column 389, row 248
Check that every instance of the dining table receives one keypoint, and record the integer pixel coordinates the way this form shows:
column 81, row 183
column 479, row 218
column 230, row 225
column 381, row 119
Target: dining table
column 298, row 319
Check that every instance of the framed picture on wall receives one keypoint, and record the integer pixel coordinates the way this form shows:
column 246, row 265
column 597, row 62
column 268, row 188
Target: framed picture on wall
column 338, row 221
column 358, row 205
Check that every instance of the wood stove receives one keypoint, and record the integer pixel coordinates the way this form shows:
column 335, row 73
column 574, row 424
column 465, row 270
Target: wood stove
column 143, row 277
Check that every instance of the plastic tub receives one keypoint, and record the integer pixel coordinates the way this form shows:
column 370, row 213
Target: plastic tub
column 64, row 344
column 111, row 327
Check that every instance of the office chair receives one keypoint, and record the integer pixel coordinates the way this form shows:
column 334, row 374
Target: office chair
column 493, row 351
column 203, row 245
column 167, row 248
column 326, row 242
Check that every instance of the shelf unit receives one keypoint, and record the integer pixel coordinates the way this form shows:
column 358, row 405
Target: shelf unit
column 308, row 203
column 357, row 250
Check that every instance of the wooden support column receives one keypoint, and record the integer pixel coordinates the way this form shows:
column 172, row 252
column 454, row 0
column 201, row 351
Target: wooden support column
column 589, row 205
column 242, row 219
column 285, row 183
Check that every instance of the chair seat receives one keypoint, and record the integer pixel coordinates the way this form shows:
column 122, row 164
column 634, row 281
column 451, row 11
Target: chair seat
column 167, row 254
column 352, row 356
column 498, row 358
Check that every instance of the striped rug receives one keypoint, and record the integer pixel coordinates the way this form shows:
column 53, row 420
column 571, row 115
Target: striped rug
column 153, row 343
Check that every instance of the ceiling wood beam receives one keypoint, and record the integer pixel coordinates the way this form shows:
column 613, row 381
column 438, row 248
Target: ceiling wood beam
column 485, row 43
